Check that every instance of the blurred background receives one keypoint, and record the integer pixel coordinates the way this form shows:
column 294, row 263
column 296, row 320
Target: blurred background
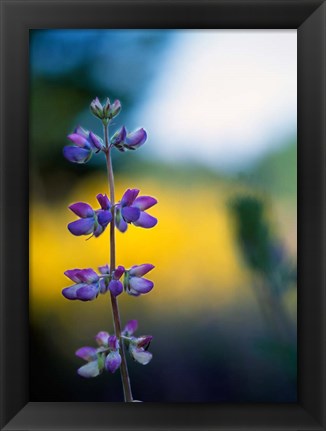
column 220, row 111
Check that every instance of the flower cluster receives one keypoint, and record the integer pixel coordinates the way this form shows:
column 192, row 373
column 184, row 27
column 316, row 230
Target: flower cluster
column 107, row 355
column 123, row 140
column 91, row 221
column 85, row 144
column 137, row 346
column 130, row 209
column 88, row 284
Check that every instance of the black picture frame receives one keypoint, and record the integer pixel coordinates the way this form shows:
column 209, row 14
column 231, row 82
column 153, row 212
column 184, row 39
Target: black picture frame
column 17, row 17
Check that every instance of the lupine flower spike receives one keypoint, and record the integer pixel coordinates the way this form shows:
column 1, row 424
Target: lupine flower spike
column 112, row 279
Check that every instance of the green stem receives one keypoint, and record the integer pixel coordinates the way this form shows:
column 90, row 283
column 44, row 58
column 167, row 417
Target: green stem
column 114, row 302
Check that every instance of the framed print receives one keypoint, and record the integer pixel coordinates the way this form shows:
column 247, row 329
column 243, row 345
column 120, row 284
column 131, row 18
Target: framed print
column 185, row 142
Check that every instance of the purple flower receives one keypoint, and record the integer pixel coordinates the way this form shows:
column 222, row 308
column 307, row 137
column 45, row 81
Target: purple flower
column 105, row 356
column 123, row 140
column 107, row 111
column 85, row 143
column 113, row 361
column 134, row 283
column 131, row 209
column 86, row 287
column 137, row 345
column 112, row 281
column 130, row 328
column 91, row 221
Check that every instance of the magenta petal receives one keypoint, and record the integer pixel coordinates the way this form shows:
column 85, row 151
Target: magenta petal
column 89, row 370
column 104, row 217
column 118, row 272
column 102, row 338
column 87, row 292
column 116, row 287
column 144, row 202
column 83, row 226
column 82, row 209
column 130, row 214
column 141, row 285
column 78, row 140
column 88, row 275
column 76, row 155
column 113, row 361
column 129, row 196
column 73, row 274
column 87, row 353
column 104, row 201
column 145, row 220
column 140, row 270
column 131, row 327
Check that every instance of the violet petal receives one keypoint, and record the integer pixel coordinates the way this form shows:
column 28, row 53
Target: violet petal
column 116, row 287
column 87, row 292
column 144, row 202
column 76, row 155
column 136, row 138
column 130, row 214
column 129, row 196
column 88, row 275
column 78, row 140
column 82, row 209
column 104, row 269
column 113, row 342
column 104, row 217
column 113, row 361
column 83, row 226
column 118, row 272
column 87, row 353
column 131, row 327
column 95, row 141
column 104, row 201
column 71, row 291
column 141, row 285
column 145, row 220
column 140, row 270
column 73, row 274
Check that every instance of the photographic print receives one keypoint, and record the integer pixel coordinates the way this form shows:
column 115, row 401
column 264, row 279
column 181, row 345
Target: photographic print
column 163, row 215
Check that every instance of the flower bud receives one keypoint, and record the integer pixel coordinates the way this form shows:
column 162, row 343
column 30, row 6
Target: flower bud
column 97, row 108
column 113, row 361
